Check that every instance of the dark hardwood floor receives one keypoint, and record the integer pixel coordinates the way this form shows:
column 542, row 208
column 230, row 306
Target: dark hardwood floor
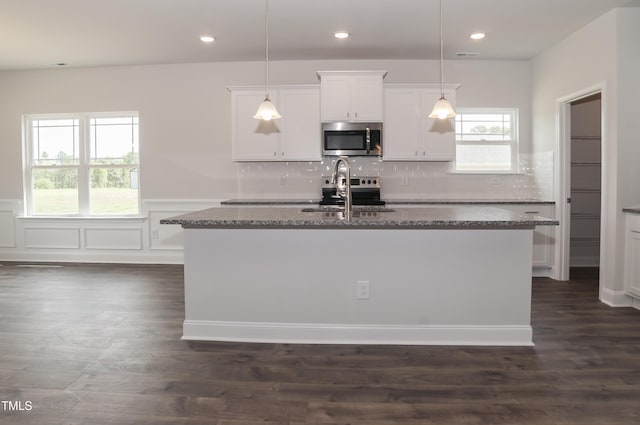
column 100, row 344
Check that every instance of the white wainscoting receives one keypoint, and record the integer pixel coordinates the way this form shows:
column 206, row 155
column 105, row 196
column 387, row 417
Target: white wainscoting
column 101, row 238
column 140, row 239
column 7, row 229
column 43, row 237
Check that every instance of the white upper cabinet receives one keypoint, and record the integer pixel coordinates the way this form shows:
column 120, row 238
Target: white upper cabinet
column 351, row 96
column 294, row 137
column 402, row 130
column 409, row 133
column 300, row 138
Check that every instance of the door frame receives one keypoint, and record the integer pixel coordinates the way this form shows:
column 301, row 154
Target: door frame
column 562, row 173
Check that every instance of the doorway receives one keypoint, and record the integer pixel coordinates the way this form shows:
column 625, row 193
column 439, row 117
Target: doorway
column 585, row 162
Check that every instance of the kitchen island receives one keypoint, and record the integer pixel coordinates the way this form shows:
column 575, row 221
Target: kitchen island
column 431, row 275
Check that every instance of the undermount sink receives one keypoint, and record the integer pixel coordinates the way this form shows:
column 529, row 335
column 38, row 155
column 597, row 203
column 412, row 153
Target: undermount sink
column 356, row 208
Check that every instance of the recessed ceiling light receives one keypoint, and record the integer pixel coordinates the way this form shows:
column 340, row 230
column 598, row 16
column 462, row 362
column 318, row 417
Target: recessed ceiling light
column 477, row 36
column 207, row 39
column 341, row 34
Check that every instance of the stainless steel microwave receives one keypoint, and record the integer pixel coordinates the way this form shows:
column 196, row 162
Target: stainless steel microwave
column 351, row 139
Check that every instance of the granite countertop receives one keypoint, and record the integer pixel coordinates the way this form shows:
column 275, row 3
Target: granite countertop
column 392, row 201
column 270, row 201
column 466, row 201
column 632, row 210
column 435, row 217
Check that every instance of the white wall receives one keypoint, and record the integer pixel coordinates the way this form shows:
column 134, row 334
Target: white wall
column 185, row 111
column 602, row 54
column 185, row 132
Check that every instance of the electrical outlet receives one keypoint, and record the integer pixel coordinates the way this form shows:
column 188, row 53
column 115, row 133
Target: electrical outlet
column 154, row 234
column 362, row 290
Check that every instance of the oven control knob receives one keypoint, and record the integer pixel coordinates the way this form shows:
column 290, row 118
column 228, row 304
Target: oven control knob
column 369, row 181
column 327, row 181
column 363, row 181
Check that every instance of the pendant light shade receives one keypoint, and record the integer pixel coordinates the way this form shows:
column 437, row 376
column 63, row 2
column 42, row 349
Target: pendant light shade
column 267, row 110
column 443, row 108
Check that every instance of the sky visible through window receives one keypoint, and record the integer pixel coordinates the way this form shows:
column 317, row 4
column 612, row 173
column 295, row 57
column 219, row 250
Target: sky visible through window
column 111, row 138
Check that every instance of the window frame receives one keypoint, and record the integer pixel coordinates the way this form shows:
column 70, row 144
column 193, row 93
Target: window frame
column 83, row 166
column 513, row 143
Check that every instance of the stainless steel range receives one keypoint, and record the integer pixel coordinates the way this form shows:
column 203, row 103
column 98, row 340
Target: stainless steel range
column 364, row 191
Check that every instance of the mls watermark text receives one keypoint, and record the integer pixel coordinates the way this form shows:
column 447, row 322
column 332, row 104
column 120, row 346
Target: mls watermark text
column 16, row 406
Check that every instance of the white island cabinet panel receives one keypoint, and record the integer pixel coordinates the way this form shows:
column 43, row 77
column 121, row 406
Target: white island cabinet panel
column 453, row 287
column 294, row 137
column 409, row 133
column 432, row 275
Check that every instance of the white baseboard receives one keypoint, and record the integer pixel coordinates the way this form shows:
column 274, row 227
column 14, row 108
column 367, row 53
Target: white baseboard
column 95, row 256
column 541, row 272
column 615, row 298
column 303, row 333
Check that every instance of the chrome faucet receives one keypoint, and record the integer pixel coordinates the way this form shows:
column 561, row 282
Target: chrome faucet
column 341, row 177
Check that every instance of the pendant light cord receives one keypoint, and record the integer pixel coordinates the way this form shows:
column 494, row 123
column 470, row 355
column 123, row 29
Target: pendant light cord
column 266, row 47
column 441, row 56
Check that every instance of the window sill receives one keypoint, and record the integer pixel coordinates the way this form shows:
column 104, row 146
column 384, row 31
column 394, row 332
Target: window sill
column 131, row 218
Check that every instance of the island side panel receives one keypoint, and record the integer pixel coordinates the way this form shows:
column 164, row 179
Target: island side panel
column 299, row 285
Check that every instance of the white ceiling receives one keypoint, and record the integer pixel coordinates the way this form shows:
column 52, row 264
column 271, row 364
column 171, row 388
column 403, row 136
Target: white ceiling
column 80, row 33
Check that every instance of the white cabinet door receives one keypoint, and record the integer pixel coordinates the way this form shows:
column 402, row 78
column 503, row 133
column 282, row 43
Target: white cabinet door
column 439, row 135
column 253, row 140
column 632, row 256
column 294, row 137
column 335, row 97
column 351, row 96
column 367, row 98
column 402, row 124
column 300, row 137
column 410, row 135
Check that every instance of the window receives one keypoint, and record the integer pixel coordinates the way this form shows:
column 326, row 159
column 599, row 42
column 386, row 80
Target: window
column 82, row 164
column 487, row 140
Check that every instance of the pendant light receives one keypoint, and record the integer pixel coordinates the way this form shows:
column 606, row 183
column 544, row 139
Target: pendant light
column 267, row 110
column 442, row 109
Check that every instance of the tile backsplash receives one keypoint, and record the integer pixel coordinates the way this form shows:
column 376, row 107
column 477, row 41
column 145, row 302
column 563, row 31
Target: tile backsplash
column 400, row 180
